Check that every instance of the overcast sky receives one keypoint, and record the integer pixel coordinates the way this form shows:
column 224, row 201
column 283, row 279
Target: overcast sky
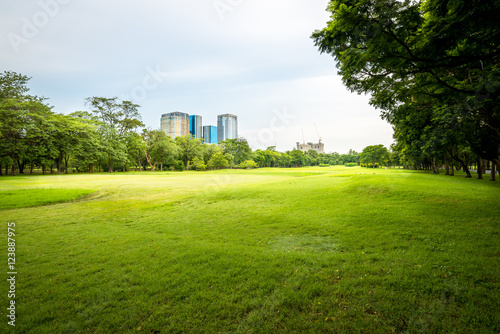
column 252, row 58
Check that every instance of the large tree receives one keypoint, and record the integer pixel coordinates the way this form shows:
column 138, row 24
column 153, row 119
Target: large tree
column 23, row 121
column 375, row 154
column 117, row 119
column 438, row 57
column 159, row 148
column 189, row 148
column 238, row 149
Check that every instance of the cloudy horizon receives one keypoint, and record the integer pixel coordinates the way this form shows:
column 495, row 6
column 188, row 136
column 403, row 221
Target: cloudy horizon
column 254, row 59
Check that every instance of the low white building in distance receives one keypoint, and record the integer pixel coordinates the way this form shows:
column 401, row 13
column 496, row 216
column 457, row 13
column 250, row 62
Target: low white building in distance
column 311, row 146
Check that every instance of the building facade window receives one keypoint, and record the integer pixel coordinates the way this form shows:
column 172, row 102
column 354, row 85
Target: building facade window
column 175, row 124
column 210, row 134
column 195, row 126
column 227, row 127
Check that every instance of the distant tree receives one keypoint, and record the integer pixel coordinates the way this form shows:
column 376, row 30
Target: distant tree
column 297, row 157
column 159, row 148
column 375, row 154
column 116, row 120
column 260, row 158
column 314, row 157
column 166, row 151
column 152, row 139
column 198, row 164
column 238, row 149
column 208, row 150
column 189, row 148
column 136, row 148
column 230, row 159
column 23, row 124
column 218, row 160
column 248, row 164
column 395, row 155
column 285, row 160
column 90, row 150
column 334, row 159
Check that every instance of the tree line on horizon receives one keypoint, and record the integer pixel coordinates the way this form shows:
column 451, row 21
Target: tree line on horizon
column 111, row 137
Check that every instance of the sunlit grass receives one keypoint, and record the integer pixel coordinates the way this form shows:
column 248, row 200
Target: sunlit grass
column 295, row 250
column 24, row 198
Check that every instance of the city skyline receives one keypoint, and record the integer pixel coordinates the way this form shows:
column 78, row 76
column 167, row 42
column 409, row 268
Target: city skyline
column 177, row 124
column 255, row 57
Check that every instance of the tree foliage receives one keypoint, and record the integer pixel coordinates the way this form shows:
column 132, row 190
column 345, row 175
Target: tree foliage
column 430, row 66
column 375, row 154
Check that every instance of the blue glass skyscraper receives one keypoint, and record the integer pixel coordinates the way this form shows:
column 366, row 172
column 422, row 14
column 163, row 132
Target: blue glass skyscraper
column 195, row 126
column 210, row 134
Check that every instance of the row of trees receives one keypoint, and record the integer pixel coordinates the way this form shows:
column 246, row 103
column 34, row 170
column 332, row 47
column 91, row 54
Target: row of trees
column 112, row 137
column 431, row 67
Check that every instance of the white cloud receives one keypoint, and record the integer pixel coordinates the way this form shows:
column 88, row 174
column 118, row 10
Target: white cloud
column 258, row 59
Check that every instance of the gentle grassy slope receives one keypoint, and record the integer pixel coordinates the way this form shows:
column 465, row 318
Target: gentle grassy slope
column 24, row 198
column 300, row 250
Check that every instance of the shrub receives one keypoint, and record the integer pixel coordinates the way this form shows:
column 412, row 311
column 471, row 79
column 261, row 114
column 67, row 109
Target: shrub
column 351, row 164
column 324, row 165
column 370, row 165
column 198, row 164
column 248, row 164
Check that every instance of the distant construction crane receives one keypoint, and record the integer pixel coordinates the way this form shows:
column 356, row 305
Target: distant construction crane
column 319, row 138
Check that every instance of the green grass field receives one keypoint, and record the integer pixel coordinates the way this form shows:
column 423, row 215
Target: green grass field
column 312, row 250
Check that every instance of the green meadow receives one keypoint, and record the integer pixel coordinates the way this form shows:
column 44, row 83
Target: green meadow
column 308, row 250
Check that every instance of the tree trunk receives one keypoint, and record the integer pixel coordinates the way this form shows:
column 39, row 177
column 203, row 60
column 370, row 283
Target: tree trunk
column 20, row 163
column 435, row 169
column 66, row 164
column 479, row 169
column 110, row 165
column 13, row 170
column 124, row 168
column 1, row 169
column 6, row 169
column 492, row 176
column 139, row 161
column 497, row 163
column 467, row 171
column 161, row 166
column 452, row 169
column 32, row 166
column 59, row 162
column 43, row 169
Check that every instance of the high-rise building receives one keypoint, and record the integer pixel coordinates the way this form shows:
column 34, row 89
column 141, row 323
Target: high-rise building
column 175, row 124
column 311, row 146
column 195, row 126
column 227, row 127
column 210, row 134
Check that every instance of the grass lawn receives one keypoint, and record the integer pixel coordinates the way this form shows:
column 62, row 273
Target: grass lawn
column 311, row 250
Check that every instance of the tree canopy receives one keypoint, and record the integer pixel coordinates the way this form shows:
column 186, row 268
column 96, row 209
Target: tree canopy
column 431, row 67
